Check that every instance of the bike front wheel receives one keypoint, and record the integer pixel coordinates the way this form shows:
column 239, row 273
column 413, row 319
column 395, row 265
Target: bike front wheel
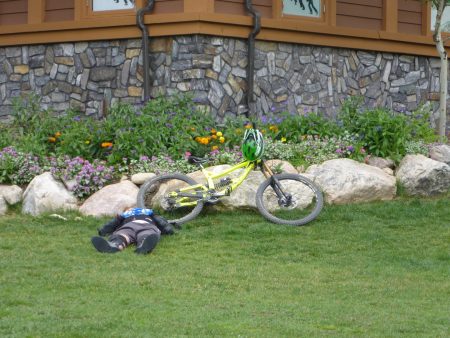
column 172, row 196
column 289, row 199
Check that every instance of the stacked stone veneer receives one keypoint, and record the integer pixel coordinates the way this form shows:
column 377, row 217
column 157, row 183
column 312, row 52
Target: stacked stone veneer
column 90, row 76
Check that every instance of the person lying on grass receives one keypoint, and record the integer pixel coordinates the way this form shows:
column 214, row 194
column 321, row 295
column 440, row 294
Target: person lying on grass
column 134, row 226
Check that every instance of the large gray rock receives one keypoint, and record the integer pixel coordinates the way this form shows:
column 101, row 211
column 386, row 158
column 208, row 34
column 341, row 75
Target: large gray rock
column 111, row 200
column 347, row 181
column 441, row 153
column 45, row 194
column 282, row 166
column 3, row 206
column 12, row 194
column 423, row 176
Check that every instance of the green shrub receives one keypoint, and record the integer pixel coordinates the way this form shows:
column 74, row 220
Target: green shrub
column 385, row 133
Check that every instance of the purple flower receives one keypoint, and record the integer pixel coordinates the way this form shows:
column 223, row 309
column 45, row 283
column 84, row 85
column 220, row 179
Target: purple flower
column 351, row 149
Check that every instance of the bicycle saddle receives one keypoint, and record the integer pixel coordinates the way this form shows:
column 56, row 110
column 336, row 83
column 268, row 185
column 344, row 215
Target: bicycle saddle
column 197, row 160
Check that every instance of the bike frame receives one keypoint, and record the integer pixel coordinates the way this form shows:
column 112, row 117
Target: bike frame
column 210, row 187
column 248, row 166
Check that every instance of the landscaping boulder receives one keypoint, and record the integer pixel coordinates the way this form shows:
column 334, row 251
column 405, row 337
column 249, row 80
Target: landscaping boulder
column 140, row 178
column 111, row 200
column 380, row 162
column 283, row 166
column 423, row 176
column 3, row 206
column 12, row 194
column 440, row 153
column 347, row 181
column 45, row 194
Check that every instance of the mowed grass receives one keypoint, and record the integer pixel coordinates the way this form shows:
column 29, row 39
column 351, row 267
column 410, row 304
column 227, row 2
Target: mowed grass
column 368, row 270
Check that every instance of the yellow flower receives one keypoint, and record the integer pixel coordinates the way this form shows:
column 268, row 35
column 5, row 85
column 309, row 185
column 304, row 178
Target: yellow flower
column 248, row 126
column 219, row 133
column 283, row 139
column 87, row 142
column 107, row 144
column 51, row 139
column 192, row 129
column 57, row 134
column 222, row 139
column 273, row 128
column 214, row 147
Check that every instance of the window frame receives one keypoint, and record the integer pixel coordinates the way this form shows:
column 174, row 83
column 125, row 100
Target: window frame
column 89, row 14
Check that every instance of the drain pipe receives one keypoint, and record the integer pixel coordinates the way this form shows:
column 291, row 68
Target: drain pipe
column 145, row 48
column 251, row 55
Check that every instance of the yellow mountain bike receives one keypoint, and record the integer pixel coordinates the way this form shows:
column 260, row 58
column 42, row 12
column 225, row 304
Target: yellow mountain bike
column 289, row 199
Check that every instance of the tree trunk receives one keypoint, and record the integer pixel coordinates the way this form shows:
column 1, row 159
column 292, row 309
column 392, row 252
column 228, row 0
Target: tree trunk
column 444, row 68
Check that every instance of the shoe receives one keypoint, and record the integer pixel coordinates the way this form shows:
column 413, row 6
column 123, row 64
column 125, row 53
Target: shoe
column 102, row 245
column 148, row 244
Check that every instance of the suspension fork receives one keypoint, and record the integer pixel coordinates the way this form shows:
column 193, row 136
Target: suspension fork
column 274, row 183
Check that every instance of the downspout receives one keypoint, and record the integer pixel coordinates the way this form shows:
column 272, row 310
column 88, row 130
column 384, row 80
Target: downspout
column 145, row 48
column 251, row 55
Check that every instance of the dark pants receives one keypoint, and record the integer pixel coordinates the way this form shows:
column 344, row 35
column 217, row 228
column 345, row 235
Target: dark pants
column 135, row 232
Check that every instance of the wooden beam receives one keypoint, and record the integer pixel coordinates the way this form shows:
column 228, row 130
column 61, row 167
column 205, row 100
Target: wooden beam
column 426, row 20
column 390, row 16
column 78, row 10
column 330, row 12
column 277, row 9
column 36, row 11
column 202, row 6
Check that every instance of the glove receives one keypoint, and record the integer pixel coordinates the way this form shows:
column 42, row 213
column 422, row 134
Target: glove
column 168, row 230
column 162, row 224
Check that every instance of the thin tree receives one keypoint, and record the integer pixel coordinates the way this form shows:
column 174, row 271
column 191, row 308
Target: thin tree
column 440, row 6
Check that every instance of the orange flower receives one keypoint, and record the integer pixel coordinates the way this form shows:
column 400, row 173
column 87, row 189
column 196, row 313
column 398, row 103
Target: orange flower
column 57, row 134
column 213, row 131
column 107, row 144
column 214, row 137
column 51, row 139
column 248, row 126
column 222, row 139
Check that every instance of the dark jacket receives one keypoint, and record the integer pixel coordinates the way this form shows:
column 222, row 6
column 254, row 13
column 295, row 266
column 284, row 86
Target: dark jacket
column 119, row 220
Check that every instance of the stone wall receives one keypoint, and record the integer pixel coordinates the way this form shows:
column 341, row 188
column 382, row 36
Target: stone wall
column 92, row 76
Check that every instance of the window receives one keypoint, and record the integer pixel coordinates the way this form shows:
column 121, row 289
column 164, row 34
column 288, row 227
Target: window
column 445, row 23
column 112, row 5
column 308, row 8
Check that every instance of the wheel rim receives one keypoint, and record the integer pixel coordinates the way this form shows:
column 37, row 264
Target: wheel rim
column 159, row 197
column 304, row 202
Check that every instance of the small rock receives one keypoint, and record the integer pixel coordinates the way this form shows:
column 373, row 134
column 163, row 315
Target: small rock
column 441, row 153
column 140, row 178
column 11, row 193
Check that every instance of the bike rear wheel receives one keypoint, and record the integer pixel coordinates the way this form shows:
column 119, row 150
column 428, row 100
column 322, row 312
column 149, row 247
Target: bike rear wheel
column 298, row 202
column 161, row 194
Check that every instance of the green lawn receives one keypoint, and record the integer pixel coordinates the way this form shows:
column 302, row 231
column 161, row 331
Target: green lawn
column 370, row 270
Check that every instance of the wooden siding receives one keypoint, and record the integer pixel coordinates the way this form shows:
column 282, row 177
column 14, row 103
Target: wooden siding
column 59, row 10
column 363, row 14
column 168, row 6
column 409, row 17
column 13, row 12
column 237, row 7
column 394, row 26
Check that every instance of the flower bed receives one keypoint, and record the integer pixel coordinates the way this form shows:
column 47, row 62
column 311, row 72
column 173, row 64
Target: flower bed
column 92, row 152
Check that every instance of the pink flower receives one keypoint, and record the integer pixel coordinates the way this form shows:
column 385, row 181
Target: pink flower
column 187, row 154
